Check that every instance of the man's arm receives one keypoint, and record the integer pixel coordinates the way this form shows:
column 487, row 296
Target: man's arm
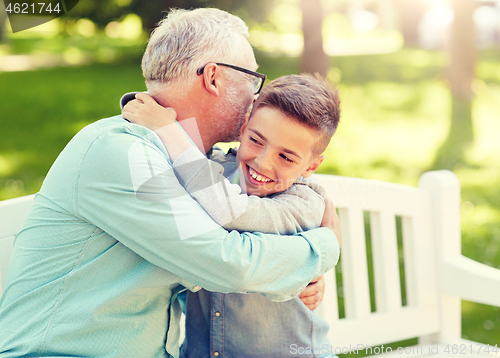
column 294, row 210
column 291, row 211
column 134, row 196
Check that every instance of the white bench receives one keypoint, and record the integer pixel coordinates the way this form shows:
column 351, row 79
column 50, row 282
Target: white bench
column 437, row 276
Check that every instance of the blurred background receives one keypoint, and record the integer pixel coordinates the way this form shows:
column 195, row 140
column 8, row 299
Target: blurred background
column 419, row 83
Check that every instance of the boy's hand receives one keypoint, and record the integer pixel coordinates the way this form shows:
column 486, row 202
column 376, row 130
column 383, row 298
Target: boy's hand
column 145, row 111
column 331, row 219
column 313, row 293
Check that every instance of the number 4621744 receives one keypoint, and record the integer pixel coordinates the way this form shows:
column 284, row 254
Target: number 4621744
column 32, row 8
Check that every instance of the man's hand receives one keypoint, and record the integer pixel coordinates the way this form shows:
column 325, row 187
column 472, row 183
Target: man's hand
column 331, row 219
column 145, row 111
column 313, row 293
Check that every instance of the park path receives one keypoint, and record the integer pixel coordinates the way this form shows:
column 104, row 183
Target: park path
column 14, row 63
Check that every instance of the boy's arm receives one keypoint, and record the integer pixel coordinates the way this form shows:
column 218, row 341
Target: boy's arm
column 297, row 209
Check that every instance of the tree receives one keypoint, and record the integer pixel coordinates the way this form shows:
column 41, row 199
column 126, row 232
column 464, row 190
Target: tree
column 314, row 58
column 462, row 58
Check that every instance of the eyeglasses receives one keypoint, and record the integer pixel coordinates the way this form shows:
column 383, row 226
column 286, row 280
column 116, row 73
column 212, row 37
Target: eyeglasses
column 257, row 82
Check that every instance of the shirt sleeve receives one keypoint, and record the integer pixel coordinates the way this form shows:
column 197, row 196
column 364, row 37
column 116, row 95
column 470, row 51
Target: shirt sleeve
column 128, row 189
column 297, row 209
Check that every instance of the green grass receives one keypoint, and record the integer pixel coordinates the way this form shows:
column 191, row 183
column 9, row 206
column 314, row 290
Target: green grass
column 97, row 48
column 395, row 114
column 42, row 110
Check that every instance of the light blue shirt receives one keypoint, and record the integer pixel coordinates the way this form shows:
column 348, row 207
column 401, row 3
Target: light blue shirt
column 110, row 241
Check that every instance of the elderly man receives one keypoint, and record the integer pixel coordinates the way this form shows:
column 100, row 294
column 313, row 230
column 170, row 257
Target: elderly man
column 113, row 238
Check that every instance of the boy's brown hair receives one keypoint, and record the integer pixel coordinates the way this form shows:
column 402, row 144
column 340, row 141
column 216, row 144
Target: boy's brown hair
column 308, row 99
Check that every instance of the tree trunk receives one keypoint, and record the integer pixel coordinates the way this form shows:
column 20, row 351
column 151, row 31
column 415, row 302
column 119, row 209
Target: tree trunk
column 462, row 58
column 314, row 59
column 410, row 14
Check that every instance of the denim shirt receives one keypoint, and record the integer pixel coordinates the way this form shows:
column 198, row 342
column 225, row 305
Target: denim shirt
column 112, row 238
column 251, row 326
column 236, row 325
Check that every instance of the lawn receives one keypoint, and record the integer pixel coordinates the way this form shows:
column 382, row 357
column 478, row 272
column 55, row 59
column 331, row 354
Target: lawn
column 395, row 114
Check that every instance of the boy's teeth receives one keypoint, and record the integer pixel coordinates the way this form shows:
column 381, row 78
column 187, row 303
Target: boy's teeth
column 256, row 176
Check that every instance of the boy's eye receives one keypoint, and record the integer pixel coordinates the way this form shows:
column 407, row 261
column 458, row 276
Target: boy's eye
column 286, row 158
column 252, row 139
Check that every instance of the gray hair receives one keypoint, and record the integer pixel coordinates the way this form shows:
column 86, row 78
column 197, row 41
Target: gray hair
column 185, row 40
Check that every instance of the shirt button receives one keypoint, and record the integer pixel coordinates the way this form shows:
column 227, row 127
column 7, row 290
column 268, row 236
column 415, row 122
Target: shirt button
column 196, row 288
column 216, row 354
column 217, row 314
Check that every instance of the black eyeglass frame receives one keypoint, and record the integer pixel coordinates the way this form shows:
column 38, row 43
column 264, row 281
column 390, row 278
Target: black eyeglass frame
column 200, row 70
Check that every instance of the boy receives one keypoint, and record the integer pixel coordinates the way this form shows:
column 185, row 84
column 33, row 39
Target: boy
column 281, row 143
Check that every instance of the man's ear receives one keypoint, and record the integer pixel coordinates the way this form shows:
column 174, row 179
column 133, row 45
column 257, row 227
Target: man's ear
column 211, row 79
column 313, row 166
column 244, row 125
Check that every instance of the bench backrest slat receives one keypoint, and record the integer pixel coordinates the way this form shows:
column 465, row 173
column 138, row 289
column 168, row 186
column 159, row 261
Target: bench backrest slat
column 354, row 265
column 385, row 261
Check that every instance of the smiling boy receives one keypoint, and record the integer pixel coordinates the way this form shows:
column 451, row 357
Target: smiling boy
column 281, row 143
column 275, row 151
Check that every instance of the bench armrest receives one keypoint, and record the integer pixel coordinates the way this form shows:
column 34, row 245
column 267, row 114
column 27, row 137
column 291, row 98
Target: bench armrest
column 470, row 280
